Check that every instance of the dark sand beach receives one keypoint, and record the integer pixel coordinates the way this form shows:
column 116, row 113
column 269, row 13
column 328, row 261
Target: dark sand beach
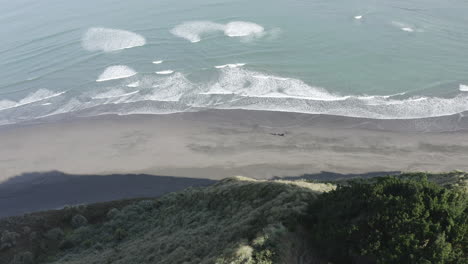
column 220, row 143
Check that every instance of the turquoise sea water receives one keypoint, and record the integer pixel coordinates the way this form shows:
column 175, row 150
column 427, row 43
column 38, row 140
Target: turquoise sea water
column 366, row 58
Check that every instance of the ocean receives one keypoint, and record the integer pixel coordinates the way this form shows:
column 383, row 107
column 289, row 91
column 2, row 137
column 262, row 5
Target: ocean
column 370, row 59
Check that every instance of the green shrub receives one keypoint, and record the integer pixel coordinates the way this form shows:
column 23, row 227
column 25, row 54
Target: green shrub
column 8, row 239
column 23, row 258
column 146, row 204
column 390, row 220
column 120, row 234
column 54, row 234
column 66, row 244
column 78, row 221
column 112, row 213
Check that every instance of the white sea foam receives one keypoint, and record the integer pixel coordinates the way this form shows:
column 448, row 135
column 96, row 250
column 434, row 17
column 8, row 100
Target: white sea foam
column 193, row 30
column 45, row 104
column 249, row 83
column 404, row 27
column 463, row 88
column 234, row 65
column 243, row 29
column 6, row 104
column 358, row 17
column 158, row 62
column 171, row 88
column 116, row 72
column 166, row 72
column 259, row 91
column 107, row 40
column 240, row 88
column 115, row 93
column 37, row 96
column 264, row 77
column 134, row 84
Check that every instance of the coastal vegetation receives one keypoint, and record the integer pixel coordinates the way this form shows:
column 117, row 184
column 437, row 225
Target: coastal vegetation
column 409, row 218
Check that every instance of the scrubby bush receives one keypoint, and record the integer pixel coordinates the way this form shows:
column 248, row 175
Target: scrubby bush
column 26, row 230
column 78, row 221
column 120, row 234
column 146, row 204
column 8, row 239
column 66, row 244
column 112, row 213
column 54, row 234
column 391, row 220
column 23, row 258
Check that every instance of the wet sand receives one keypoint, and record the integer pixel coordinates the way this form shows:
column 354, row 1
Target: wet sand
column 220, row 143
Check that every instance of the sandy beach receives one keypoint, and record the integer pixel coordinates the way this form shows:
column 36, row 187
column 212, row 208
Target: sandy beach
column 221, row 143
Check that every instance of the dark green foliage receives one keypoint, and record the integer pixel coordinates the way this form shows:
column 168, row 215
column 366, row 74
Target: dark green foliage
column 112, row 213
column 23, row 258
column 78, row 221
column 391, row 220
column 55, row 234
column 66, row 244
column 120, row 234
column 8, row 239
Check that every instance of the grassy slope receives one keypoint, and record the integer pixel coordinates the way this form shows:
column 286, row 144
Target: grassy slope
column 237, row 220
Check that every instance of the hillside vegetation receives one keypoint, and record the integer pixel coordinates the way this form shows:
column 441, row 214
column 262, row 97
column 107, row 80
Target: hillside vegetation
column 398, row 219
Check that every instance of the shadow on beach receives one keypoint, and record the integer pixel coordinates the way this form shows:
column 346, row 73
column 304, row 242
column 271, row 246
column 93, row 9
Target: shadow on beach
column 30, row 192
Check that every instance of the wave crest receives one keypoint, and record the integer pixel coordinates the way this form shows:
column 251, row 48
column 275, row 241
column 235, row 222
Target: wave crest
column 116, row 72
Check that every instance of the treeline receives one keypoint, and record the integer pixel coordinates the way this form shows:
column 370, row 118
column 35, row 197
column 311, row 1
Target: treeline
column 390, row 220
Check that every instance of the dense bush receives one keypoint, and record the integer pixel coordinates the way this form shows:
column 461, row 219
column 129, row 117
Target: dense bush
column 55, row 234
column 8, row 239
column 23, row 258
column 237, row 220
column 78, row 221
column 390, row 220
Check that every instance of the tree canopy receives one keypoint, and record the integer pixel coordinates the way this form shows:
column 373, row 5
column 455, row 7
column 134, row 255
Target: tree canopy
column 390, row 220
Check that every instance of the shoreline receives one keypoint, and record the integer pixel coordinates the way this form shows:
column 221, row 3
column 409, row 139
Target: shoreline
column 215, row 144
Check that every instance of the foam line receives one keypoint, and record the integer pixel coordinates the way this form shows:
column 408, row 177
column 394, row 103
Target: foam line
column 134, row 84
column 234, row 65
column 37, row 96
column 166, row 72
column 118, row 93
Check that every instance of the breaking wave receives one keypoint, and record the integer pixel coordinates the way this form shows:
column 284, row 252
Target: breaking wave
column 37, row 96
column 116, row 72
column 234, row 88
column 107, row 40
column 166, row 72
column 233, row 65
